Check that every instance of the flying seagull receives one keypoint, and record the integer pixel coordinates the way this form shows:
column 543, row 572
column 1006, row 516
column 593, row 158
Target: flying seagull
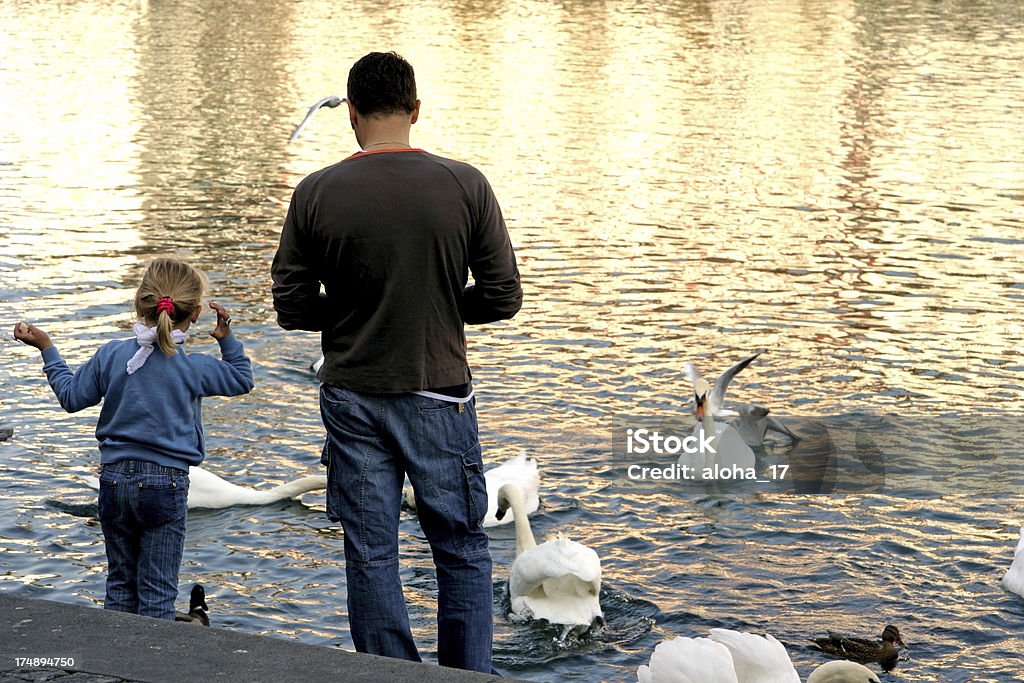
column 331, row 101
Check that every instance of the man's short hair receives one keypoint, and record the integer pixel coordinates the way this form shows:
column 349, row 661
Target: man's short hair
column 382, row 83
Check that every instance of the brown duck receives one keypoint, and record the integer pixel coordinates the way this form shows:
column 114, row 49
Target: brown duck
column 865, row 650
column 196, row 608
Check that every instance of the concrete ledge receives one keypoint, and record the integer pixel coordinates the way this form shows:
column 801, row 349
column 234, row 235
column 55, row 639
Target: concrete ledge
column 129, row 647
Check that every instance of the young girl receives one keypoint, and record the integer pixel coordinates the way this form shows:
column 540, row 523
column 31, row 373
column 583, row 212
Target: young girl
column 150, row 428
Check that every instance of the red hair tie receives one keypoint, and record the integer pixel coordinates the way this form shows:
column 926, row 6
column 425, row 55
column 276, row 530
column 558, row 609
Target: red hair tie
column 165, row 304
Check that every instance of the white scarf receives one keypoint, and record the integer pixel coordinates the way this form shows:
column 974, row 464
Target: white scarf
column 146, row 336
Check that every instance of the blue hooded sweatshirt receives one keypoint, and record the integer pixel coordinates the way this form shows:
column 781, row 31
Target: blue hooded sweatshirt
column 154, row 414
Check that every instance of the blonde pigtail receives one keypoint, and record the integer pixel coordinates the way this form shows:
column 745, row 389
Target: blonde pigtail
column 164, row 339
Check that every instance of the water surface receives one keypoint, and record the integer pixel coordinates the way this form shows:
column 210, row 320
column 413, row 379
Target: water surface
column 837, row 183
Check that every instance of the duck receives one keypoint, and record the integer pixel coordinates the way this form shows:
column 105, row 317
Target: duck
column 558, row 581
column 196, row 608
column 727, row 449
column 1013, row 580
column 864, row 649
column 208, row 491
column 751, row 420
column 519, row 469
column 729, row 656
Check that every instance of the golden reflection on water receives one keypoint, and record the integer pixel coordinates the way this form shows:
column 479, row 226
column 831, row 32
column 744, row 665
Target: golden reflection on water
column 75, row 203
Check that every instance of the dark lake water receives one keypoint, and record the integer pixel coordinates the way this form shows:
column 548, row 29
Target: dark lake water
column 840, row 184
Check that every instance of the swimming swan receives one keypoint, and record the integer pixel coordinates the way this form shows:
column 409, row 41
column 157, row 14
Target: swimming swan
column 1013, row 580
column 727, row 448
column 207, row 490
column 558, row 580
column 516, row 470
column 734, row 657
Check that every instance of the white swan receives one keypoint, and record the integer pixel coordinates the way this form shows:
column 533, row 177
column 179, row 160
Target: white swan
column 751, row 420
column 518, row 470
column 688, row 660
column 1013, row 580
column 207, row 490
column 734, row 657
column 558, row 580
column 727, row 450
column 841, row 671
column 755, row 658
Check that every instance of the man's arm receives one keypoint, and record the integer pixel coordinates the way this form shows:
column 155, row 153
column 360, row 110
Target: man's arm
column 496, row 293
column 296, row 287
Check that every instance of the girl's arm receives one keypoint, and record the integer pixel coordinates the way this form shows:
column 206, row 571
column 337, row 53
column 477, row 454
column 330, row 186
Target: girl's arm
column 74, row 391
column 230, row 376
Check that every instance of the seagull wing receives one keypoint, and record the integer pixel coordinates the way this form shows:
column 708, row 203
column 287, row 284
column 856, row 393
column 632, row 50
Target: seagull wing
column 329, row 101
column 722, row 383
column 776, row 426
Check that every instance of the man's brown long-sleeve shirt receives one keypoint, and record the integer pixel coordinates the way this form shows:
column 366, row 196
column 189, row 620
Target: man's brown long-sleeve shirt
column 393, row 236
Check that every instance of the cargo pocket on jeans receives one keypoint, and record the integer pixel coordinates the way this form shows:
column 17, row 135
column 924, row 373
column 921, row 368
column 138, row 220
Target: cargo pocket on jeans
column 476, row 487
column 333, row 487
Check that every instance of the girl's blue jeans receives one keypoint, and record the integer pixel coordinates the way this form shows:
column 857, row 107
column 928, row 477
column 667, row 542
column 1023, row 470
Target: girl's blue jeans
column 373, row 442
column 142, row 511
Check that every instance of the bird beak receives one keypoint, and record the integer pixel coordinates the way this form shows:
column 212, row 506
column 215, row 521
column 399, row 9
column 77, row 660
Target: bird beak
column 699, row 409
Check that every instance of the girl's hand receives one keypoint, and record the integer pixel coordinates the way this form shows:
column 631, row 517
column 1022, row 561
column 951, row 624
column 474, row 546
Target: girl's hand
column 223, row 328
column 32, row 335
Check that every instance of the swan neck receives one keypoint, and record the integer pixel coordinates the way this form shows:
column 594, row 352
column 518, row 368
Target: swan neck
column 708, row 423
column 524, row 534
column 300, row 486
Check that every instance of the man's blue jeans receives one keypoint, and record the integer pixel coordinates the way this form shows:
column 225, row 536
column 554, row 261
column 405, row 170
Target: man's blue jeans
column 373, row 442
column 142, row 511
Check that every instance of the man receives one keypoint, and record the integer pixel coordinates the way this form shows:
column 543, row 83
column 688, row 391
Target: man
column 392, row 233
